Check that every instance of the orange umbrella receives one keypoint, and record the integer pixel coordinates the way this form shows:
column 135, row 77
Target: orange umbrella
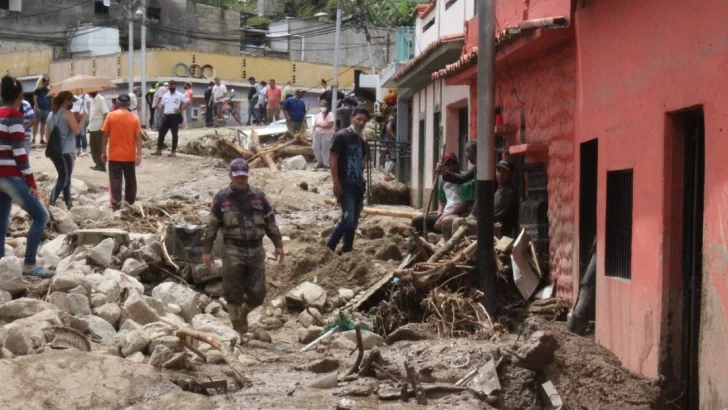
column 82, row 84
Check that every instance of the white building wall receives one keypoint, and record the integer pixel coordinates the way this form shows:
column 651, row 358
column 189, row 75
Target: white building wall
column 275, row 28
column 429, row 36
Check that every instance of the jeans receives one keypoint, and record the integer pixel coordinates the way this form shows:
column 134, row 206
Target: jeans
column 15, row 189
column 64, row 165
column 81, row 140
column 252, row 108
column 352, row 203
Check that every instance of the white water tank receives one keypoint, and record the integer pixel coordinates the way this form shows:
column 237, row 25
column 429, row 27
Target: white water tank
column 94, row 41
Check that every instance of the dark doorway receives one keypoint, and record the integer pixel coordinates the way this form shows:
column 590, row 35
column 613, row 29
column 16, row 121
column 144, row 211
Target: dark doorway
column 421, row 162
column 693, row 128
column 463, row 136
column 436, row 151
column 589, row 154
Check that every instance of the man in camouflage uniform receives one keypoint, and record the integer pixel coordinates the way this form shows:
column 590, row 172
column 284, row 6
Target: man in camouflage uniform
column 244, row 215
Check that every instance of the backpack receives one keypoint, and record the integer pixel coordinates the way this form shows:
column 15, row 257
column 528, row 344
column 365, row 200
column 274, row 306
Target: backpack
column 54, row 145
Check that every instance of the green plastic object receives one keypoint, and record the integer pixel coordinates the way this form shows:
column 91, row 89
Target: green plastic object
column 342, row 323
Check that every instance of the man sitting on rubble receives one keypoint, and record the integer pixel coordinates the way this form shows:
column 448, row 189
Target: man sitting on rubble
column 455, row 201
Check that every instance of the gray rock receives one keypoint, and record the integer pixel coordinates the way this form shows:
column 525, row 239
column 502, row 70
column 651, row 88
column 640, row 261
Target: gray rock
column 151, row 253
column 73, row 304
column 55, row 250
column 328, row 381
column 326, row 365
column 207, row 323
column 6, row 354
column 134, row 268
column 24, row 335
column 203, row 301
column 306, row 319
column 137, row 357
column 160, row 356
column 70, row 280
column 309, row 334
column 79, row 290
column 409, row 331
column 129, row 325
column 105, row 286
column 182, row 296
column 177, row 362
column 213, row 308
column 9, row 250
column 314, row 295
column 110, row 312
column 102, row 253
column 389, row 251
column 134, row 341
column 82, row 213
column 102, row 328
column 214, row 289
column 63, row 220
column 98, row 299
column 538, row 351
column 23, row 307
column 346, row 294
column 159, row 306
column 125, row 281
column 342, row 343
column 94, row 237
column 276, row 303
column 5, row 296
column 369, row 339
column 171, row 342
column 139, row 311
column 177, row 401
column 172, row 308
column 11, row 275
column 143, row 238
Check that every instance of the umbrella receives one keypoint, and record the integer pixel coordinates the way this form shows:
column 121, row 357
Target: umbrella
column 82, row 84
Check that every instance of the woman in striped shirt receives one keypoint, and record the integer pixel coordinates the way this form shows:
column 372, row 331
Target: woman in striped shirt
column 16, row 178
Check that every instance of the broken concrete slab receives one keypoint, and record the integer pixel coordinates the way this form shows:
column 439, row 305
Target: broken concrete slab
column 108, row 381
column 180, row 295
column 71, row 303
column 23, row 307
column 538, row 351
column 102, row 253
column 94, row 237
column 313, row 294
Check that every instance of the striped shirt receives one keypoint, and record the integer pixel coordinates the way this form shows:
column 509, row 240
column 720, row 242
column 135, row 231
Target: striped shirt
column 28, row 116
column 13, row 158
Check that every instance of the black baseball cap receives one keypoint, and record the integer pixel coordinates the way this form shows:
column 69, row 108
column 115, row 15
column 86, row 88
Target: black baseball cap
column 239, row 167
column 503, row 164
column 123, row 99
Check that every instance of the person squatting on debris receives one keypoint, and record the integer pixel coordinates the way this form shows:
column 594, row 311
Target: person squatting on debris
column 455, row 201
column 170, row 110
column 323, row 135
column 68, row 126
column 294, row 109
column 244, row 215
column 16, row 178
column 99, row 110
column 349, row 154
column 123, row 137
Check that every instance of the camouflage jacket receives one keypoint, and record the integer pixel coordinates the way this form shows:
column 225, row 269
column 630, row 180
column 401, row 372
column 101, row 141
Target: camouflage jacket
column 245, row 215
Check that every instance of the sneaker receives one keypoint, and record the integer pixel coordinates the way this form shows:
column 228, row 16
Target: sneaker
column 157, row 153
column 39, row 272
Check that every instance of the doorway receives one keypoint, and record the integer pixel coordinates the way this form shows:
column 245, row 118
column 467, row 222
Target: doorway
column 589, row 155
column 463, row 136
column 692, row 125
column 421, row 162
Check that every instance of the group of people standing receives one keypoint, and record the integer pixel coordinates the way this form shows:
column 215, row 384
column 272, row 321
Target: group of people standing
column 266, row 99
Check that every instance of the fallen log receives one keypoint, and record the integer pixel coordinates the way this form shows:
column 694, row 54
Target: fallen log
column 377, row 211
column 226, row 351
column 426, row 249
column 255, row 147
column 457, row 237
column 292, row 151
column 235, row 147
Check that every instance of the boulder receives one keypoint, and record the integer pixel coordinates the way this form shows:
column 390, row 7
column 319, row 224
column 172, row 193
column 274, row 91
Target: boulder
column 129, row 325
column 63, row 220
column 314, row 295
column 102, row 328
column 296, row 163
column 5, row 296
column 346, row 294
column 24, row 335
column 207, row 323
column 57, row 249
column 11, row 275
column 23, row 307
column 73, row 304
column 105, row 286
column 213, row 308
column 78, row 187
column 98, row 299
column 134, row 268
column 262, row 335
column 159, row 306
column 81, row 213
column 134, row 341
column 307, row 319
column 538, row 351
column 70, row 280
column 174, row 319
column 72, row 265
column 94, row 237
column 151, row 253
column 110, row 312
column 79, row 290
column 172, row 308
column 182, row 296
column 137, row 357
column 102, row 253
column 138, row 310
column 369, row 339
column 309, row 334
column 160, row 356
column 9, row 250
column 125, row 281
column 214, row 289
column 172, row 342
column 389, row 251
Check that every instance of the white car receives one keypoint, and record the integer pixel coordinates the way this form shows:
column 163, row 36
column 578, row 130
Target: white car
column 277, row 128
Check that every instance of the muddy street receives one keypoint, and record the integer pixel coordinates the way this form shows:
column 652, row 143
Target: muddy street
column 132, row 319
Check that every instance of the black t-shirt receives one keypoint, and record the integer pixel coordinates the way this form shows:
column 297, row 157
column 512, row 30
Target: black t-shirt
column 44, row 102
column 505, row 209
column 352, row 149
column 208, row 95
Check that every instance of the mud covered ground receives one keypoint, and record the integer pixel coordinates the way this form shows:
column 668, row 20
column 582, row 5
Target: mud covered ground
column 585, row 374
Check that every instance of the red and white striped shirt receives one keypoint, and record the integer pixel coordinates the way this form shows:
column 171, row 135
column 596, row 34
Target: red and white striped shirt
column 13, row 158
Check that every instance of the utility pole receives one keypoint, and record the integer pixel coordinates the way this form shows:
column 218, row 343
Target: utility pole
column 337, row 44
column 131, row 47
column 485, row 186
column 143, row 112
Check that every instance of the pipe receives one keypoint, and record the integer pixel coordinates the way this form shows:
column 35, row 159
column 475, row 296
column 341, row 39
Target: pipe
column 143, row 112
column 131, row 49
column 485, row 186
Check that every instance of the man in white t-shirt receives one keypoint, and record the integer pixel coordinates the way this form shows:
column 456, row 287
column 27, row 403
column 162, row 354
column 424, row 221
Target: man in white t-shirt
column 157, row 96
column 81, row 106
column 169, row 111
column 135, row 98
column 97, row 116
column 219, row 94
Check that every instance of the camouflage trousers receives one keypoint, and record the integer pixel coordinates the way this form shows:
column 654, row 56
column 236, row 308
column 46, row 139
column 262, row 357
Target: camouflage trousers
column 243, row 277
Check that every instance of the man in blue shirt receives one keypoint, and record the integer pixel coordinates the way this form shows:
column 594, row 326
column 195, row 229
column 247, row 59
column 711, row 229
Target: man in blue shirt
column 294, row 109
